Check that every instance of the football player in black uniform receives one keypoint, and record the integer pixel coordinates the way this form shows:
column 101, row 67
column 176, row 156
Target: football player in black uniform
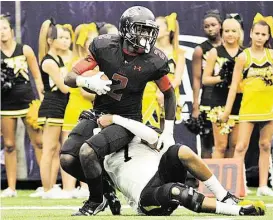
column 129, row 60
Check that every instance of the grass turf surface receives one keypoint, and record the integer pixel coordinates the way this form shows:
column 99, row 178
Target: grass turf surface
column 64, row 208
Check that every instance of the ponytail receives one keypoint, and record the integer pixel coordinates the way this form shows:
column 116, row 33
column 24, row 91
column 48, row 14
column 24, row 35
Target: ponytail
column 43, row 44
column 48, row 30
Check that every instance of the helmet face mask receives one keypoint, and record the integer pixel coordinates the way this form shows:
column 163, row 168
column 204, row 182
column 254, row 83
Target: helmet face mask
column 137, row 26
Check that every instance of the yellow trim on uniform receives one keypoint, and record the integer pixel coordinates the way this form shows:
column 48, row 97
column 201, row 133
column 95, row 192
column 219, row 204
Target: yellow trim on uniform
column 149, row 208
column 14, row 113
column 50, row 121
column 204, row 108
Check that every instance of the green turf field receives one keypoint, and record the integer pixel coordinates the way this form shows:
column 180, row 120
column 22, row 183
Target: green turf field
column 23, row 207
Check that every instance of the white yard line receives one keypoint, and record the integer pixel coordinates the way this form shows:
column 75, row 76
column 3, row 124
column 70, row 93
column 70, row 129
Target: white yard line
column 65, row 207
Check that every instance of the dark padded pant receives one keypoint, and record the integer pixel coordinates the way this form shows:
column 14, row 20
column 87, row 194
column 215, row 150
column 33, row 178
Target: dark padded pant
column 109, row 140
column 170, row 170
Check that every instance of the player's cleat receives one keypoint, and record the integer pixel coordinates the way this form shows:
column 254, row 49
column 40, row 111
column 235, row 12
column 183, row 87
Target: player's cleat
column 231, row 199
column 110, row 195
column 113, row 202
column 91, row 208
column 251, row 210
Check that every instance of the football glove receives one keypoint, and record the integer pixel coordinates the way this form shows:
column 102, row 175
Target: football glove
column 94, row 83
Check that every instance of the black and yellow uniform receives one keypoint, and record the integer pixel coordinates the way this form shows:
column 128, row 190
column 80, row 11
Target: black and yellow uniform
column 15, row 102
column 53, row 106
column 257, row 103
column 206, row 90
column 220, row 94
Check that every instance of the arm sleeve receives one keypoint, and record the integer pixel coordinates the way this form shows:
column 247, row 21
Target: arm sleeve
column 169, row 103
column 163, row 83
column 88, row 63
column 137, row 128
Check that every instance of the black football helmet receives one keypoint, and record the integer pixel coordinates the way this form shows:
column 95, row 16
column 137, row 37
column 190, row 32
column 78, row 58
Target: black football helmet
column 137, row 26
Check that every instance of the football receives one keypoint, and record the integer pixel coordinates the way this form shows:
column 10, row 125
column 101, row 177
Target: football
column 92, row 73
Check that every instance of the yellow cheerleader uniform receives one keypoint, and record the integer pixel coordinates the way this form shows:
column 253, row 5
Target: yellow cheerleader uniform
column 257, row 102
column 76, row 104
column 151, row 111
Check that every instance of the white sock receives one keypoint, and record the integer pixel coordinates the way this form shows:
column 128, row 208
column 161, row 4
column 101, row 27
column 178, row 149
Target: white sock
column 215, row 187
column 227, row 209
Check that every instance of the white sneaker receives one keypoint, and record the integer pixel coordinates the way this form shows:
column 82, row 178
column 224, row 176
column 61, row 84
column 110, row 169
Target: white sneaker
column 54, row 193
column 75, row 192
column 38, row 192
column 264, row 191
column 8, row 192
column 248, row 191
column 51, row 194
column 57, row 187
column 65, row 194
column 81, row 193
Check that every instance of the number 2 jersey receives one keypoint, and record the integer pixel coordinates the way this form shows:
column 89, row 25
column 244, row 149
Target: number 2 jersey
column 128, row 78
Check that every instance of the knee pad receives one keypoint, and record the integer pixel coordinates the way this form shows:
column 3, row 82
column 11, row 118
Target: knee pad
column 87, row 151
column 158, row 202
column 66, row 161
column 186, row 196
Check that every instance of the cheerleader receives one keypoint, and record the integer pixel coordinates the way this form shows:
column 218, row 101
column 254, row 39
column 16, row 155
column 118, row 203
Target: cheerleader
column 167, row 41
column 254, row 68
column 211, row 26
column 79, row 100
column 220, row 61
column 106, row 28
column 51, row 112
column 17, row 94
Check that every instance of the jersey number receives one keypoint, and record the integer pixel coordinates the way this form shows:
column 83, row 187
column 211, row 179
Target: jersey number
column 123, row 80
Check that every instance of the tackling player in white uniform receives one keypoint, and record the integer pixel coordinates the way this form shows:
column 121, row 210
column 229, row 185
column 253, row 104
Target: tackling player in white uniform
column 153, row 181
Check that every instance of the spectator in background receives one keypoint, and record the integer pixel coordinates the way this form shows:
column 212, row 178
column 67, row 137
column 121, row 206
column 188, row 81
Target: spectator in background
column 66, row 55
column 211, row 26
column 79, row 100
column 168, row 42
column 51, row 112
column 106, row 28
column 16, row 96
column 217, row 72
column 254, row 68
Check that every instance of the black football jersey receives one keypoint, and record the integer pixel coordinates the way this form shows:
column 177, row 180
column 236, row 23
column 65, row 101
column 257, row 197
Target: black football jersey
column 128, row 78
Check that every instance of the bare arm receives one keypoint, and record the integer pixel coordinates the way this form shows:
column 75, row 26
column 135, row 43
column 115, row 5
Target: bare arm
column 34, row 68
column 208, row 78
column 87, row 95
column 196, row 71
column 137, row 128
column 179, row 70
column 52, row 69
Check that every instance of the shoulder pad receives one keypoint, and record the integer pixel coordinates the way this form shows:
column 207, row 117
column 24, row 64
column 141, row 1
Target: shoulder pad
column 106, row 41
column 158, row 57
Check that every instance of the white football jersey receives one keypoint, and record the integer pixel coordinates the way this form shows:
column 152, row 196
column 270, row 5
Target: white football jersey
column 132, row 176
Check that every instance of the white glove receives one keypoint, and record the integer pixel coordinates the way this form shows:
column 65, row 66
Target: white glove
column 94, row 83
column 166, row 138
